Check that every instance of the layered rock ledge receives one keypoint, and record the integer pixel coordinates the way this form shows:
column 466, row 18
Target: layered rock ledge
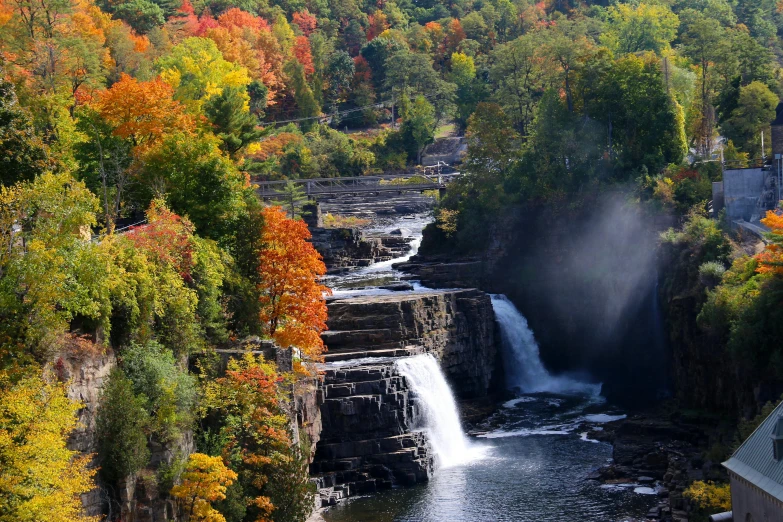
column 457, row 326
column 368, row 411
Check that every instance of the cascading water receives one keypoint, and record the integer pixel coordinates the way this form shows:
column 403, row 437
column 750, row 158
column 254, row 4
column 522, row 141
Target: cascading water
column 437, row 410
column 524, row 369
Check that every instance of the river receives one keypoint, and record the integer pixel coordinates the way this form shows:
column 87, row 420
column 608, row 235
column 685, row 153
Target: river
column 530, row 461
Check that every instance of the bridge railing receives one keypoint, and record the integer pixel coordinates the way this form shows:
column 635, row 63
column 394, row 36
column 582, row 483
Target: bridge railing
column 347, row 185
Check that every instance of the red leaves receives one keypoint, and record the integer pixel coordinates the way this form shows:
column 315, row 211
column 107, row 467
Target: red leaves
column 306, row 22
column 166, row 239
column 303, row 54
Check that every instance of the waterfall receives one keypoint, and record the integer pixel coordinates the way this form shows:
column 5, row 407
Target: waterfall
column 436, row 410
column 524, row 369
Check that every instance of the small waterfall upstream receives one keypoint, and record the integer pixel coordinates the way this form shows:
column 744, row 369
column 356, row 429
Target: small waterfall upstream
column 437, row 410
column 524, row 369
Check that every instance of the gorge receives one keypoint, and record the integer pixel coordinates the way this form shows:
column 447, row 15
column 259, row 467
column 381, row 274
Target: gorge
column 392, row 438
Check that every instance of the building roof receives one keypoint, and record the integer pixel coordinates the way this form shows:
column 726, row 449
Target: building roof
column 754, row 460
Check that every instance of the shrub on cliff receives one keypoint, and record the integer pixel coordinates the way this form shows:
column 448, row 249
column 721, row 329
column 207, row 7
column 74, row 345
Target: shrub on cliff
column 169, row 391
column 122, row 421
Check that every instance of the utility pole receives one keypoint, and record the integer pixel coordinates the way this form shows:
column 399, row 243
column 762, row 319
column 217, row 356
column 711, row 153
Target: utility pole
column 394, row 120
column 762, row 148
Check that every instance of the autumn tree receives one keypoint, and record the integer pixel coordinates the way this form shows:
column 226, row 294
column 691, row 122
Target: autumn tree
column 204, row 481
column 246, row 409
column 771, row 259
column 50, row 273
column 293, row 309
column 197, row 71
column 306, row 21
column 40, row 478
column 143, row 112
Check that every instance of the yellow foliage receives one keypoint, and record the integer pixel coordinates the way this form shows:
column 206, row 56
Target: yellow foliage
column 338, row 221
column 204, row 481
column 447, row 221
column 40, row 478
column 709, row 496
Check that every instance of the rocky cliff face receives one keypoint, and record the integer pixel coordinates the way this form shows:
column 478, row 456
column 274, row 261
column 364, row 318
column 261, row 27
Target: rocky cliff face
column 343, row 248
column 583, row 276
column 456, row 326
column 367, row 443
column 87, row 376
column 368, row 410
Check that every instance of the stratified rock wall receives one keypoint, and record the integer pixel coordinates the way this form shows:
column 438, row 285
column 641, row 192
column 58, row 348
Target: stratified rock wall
column 87, row 376
column 348, row 247
column 456, row 326
column 368, row 411
column 367, row 443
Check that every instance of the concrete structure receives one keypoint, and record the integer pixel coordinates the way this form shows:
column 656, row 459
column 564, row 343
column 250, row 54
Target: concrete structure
column 756, row 473
column 740, row 191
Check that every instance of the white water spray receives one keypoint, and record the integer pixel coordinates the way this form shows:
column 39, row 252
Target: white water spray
column 524, row 369
column 437, row 410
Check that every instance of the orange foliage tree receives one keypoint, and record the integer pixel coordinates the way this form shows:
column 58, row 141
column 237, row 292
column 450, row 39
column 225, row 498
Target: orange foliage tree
column 293, row 309
column 303, row 54
column 248, row 398
column 143, row 112
column 771, row 259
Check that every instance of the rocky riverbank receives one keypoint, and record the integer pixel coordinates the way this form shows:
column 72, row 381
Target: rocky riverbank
column 663, row 452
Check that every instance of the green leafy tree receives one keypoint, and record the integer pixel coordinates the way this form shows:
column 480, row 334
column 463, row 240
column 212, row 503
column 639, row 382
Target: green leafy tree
column 169, row 392
column 121, row 429
column 754, row 113
column 641, row 27
column 307, row 106
column 141, row 15
column 23, row 155
column 519, row 77
column 703, row 40
column 418, row 127
column 198, row 180
column 233, row 123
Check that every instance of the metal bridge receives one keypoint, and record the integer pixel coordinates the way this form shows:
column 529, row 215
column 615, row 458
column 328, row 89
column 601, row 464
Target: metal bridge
column 414, row 182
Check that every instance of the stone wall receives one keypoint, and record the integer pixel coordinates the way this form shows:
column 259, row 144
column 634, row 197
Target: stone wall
column 367, row 443
column 348, row 247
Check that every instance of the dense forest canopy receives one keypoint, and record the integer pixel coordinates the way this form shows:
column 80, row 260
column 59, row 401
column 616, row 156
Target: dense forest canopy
column 130, row 131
